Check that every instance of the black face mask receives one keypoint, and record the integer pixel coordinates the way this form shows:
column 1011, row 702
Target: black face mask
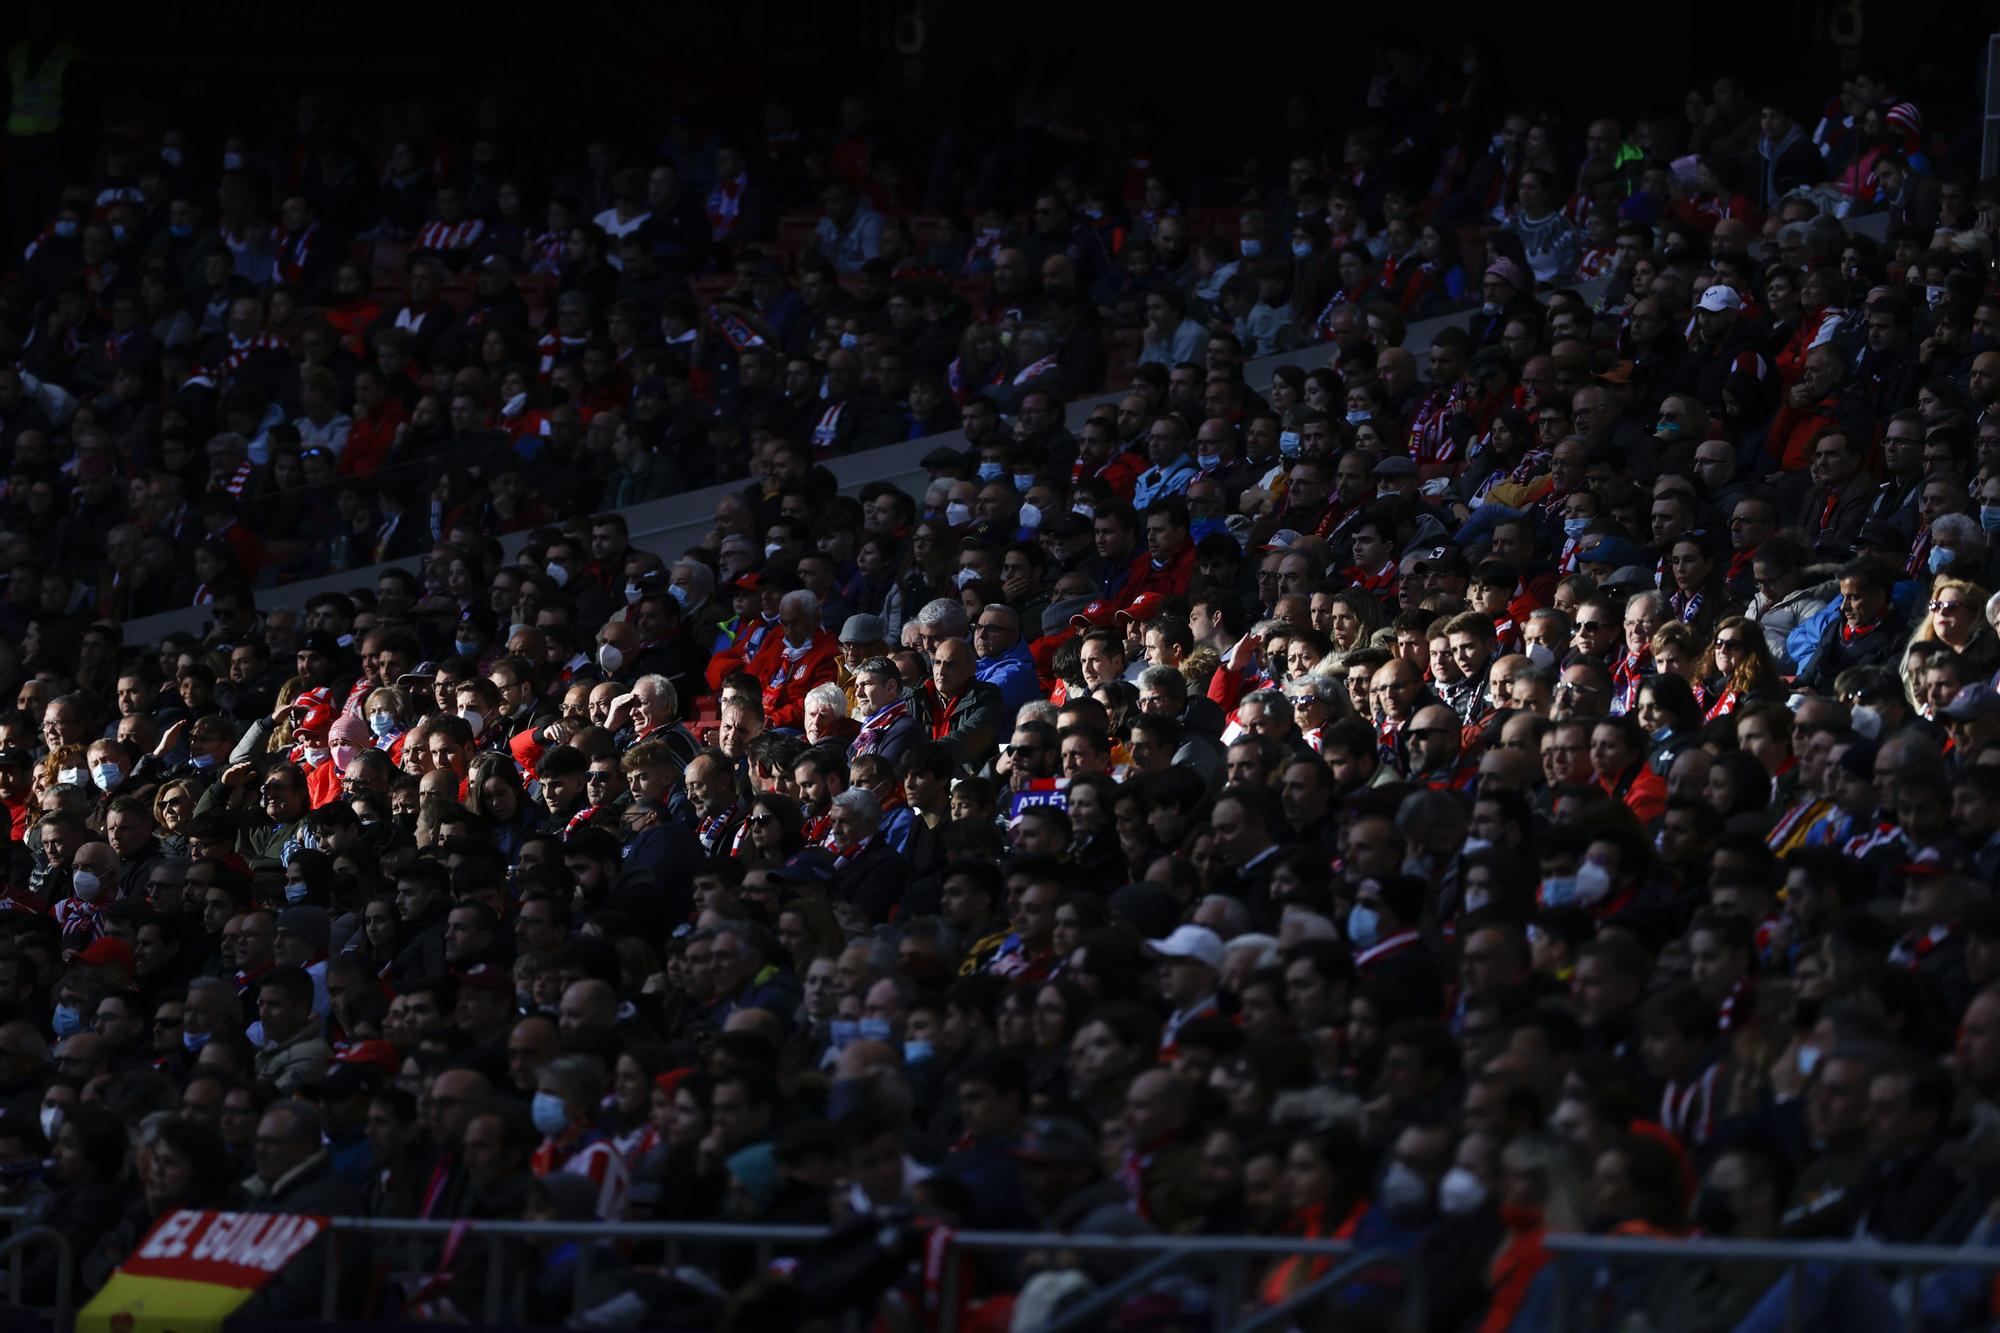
column 1714, row 1212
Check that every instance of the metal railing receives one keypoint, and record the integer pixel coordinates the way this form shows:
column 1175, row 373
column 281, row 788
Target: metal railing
column 18, row 1240
column 1574, row 1253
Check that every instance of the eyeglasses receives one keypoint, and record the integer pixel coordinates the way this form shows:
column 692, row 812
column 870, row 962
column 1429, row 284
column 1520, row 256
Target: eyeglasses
column 1592, row 625
column 1574, row 687
column 1939, row 606
column 1732, row 645
column 761, row 819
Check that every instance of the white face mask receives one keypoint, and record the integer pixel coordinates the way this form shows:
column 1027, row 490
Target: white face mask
column 557, row 574
column 610, row 656
column 1541, row 655
column 1031, row 516
column 1867, row 721
column 771, row 549
column 474, row 719
column 1460, row 1192
column 958, row 513
column 70, row 777
column 632, row 592
column 1593, row 882
column 86, row 885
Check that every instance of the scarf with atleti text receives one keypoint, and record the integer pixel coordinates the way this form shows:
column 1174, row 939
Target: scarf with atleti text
column 725, row 205
column 711, row 828
column 1725, row 704
column 1687, row 606
column 740, row 335
column 828, row 428
column 1334, row 519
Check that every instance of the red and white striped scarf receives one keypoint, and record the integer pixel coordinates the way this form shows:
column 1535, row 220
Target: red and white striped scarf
column 1687, row 1110
column 441, row 235
column 725, row 206
column 289, row 265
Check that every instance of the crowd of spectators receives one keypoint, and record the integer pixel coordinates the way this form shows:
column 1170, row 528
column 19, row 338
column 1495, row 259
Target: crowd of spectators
column 1543, row 781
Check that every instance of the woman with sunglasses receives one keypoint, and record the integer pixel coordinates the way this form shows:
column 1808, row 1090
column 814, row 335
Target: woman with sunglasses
column 775, row 830
column 1954, row 617
column 1738, row 668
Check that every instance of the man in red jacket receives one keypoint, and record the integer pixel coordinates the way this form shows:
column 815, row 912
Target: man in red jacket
column 1168, row 562
column 792, row 662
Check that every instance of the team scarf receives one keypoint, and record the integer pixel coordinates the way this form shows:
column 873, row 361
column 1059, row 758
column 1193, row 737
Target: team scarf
column 1687, row 606
column 441, row 235
column 711, row 828
column 289, row 264
column 1826, row 510
column 725, row 206
column 1044, row 366
column 958, row 377
column 1725, row 704
column 828, row 429
column 843, row 856
column 1911, row 950
column 1627, row 675
column 1920, row 553
column 877, row 723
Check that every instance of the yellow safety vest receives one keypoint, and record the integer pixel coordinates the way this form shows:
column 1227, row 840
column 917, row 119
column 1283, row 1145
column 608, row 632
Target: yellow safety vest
column 37, row 104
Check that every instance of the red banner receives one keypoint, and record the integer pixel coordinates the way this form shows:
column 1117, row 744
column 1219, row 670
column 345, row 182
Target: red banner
column 230, row 1249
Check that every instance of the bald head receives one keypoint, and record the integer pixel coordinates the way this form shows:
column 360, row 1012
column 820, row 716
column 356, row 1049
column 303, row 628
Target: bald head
column 589, row 1004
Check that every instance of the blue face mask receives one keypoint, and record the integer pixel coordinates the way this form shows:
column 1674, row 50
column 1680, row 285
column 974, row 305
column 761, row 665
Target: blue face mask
column 65, row 228
column 1356, row 418
column 1364, row 926
column 1989, row 517
column 548, row 1113
column 873, row 1029
column 382, row 724
column 991, row 471
column 201, row 761
column 1023, row 481
column 466, row 647
column 1573, row 528
column 1941, row 558
column 1290, row 444
column 1300, row 249
column 679, row 594
column 66, row 1020
column 916, row 1052
column 180, row 231
column 1251, row 247
column 1559, row 891
column 194, row 1041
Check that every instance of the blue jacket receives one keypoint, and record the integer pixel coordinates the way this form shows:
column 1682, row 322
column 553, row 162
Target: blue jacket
column 1804, row 639
column 1013, row 674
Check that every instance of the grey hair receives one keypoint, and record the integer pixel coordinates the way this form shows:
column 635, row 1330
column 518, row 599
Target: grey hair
column 1329, row 690
column 862, row 802
column 1042, row 710
column 1964, row 532
column 664, row 688
column 1264, row 946
column 799, row 599
column 1271, row 700
column 945, row 615
column 1654, row 597
column 231, row 1004
column 1313, row 925
column 699, row 575
column 1235, row 917
column 1166, row 679
column 306, row 1121
column 579, row 1078
column 829, row 696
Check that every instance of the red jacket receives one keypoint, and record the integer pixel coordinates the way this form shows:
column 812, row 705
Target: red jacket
column 1172, row 581
column 786, row 683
